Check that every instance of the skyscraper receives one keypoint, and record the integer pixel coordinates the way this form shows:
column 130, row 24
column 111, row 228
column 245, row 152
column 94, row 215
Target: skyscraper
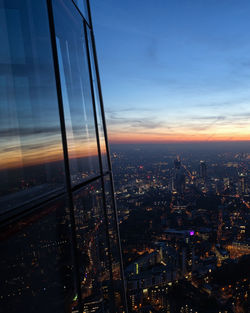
column 242, row 183
column 179, row 176
column 203, row 170
column 60, row 245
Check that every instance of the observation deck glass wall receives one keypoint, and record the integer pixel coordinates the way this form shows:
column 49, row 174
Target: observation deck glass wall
column 59, row 240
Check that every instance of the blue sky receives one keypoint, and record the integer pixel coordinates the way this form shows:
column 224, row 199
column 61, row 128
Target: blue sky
column 174, row 69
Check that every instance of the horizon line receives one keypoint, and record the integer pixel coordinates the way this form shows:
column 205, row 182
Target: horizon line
column 175, row 141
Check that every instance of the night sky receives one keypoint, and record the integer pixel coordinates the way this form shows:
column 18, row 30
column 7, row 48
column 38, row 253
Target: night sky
column 174, row 70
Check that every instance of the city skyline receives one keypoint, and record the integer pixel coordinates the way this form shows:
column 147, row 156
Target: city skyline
column 184, row 224
column 188, row 59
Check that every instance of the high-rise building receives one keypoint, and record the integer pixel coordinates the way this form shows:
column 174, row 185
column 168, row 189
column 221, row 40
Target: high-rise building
column 179, row 176
column 203, row 170
column 59, row 240
column 242, row 183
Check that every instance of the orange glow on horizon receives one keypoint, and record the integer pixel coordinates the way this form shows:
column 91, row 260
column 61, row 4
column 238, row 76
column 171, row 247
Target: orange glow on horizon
column 159, row 138
column 52, row 152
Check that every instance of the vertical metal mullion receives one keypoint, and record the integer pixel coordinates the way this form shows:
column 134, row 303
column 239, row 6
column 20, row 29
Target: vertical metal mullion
column 65, row 151
column 118, row 238
column 108, row 150
column 100, row 161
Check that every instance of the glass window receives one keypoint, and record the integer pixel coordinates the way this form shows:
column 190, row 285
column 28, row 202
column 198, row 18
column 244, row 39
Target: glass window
column 93, row 248
column 114, row 247
column 82, row 6
column 37, row 269
column 77, row 99
column 30, row 137
column 98, row 106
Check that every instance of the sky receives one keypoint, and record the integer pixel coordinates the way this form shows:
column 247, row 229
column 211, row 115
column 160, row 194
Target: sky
column 171, row 71
column 174, row 70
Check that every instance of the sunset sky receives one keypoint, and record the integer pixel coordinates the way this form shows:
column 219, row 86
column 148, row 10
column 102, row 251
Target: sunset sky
column 174, row 70
column 171, row 71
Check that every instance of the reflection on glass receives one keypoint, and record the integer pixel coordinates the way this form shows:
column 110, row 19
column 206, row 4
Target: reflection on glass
column 93, row 248
column 30, row 137
column 77, row 100
column 82, row 6
column 37, row 271
column 98, row 106
column 114, row 247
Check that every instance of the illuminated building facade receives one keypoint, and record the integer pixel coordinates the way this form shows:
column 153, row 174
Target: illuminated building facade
column 60, row 245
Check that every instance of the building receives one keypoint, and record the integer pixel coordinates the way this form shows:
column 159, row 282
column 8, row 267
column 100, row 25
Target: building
column 60, row 246
column 203, row 170
column 238, row 249
column 242, row 183
column 179, row 177
column 183, row 240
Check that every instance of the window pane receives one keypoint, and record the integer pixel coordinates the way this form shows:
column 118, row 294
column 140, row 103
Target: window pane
column 98, row 107
column 93, row 248
column 114, row 243
column 37, row 271
column 30, row 137
column 77, row 100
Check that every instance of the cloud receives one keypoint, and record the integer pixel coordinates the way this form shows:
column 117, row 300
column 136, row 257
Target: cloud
column 133, row 122
column 224, row 103
column 214, row 118
column 181, row 126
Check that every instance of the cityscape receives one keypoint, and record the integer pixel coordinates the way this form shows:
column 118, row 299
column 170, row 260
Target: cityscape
column 184, row 224
column 183, row 214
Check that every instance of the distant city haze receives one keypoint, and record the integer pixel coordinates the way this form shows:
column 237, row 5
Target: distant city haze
column 174, row 70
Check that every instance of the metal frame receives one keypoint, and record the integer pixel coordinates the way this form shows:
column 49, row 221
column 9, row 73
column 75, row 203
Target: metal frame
column 65, row 149
column 108, row 150
column 112, row 294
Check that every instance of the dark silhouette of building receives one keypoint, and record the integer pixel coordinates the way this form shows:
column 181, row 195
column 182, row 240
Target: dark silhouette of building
column 59, row 240
column 242, row 183
column 179, row 176
column 203, row 170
